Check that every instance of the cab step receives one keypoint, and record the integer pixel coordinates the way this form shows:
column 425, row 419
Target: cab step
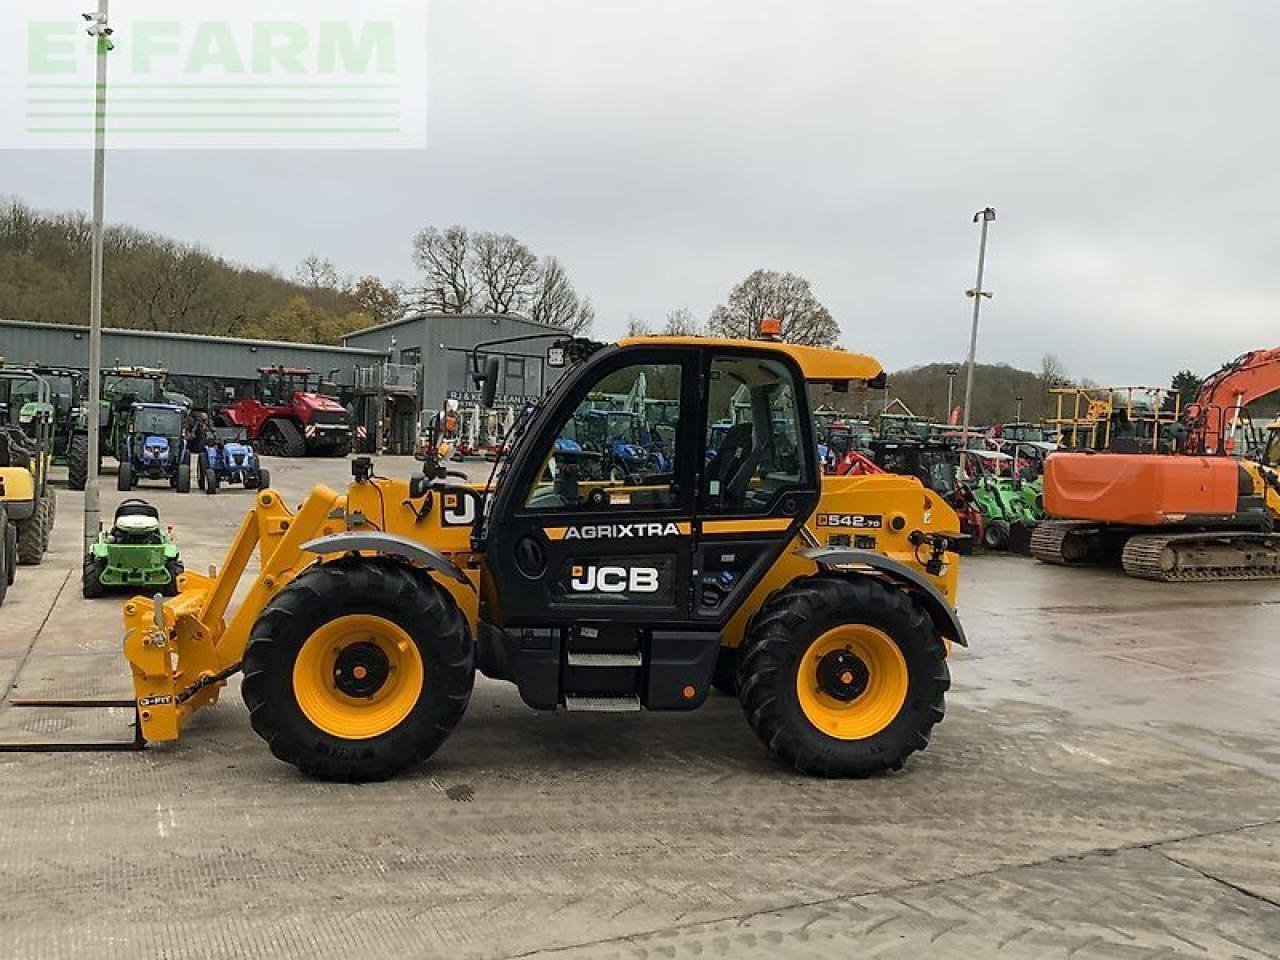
column 627, row 704
column 605, row 659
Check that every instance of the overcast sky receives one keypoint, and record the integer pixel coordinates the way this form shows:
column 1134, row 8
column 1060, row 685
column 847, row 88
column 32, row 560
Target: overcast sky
column 663, row 149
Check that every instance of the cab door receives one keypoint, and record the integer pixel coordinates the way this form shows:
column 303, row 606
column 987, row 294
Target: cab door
column 760, row 480
column 594, row 522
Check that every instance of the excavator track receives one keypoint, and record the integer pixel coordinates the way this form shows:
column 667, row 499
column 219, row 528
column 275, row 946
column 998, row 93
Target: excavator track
column 1203, row 557
column 1062, row 542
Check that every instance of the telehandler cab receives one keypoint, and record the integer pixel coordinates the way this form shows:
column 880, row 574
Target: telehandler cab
column 372, row 609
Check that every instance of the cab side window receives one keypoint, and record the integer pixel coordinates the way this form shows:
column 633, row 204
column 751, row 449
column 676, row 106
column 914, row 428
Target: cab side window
column 617, row 448
column 753, row 436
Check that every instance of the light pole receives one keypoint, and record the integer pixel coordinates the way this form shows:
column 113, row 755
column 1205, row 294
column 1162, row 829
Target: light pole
column 983, row 216
column 952, row 372
column 97, row 28
column 1018, row 416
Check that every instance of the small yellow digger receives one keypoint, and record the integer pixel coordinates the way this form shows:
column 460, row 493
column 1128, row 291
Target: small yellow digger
column 723, row 557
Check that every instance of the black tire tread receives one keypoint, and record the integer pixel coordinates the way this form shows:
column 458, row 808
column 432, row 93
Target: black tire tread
column 383, row 586
column 797, row 615
column 78, row 462
column 31, row 535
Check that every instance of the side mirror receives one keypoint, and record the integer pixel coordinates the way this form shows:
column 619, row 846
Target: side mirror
column 489, row 390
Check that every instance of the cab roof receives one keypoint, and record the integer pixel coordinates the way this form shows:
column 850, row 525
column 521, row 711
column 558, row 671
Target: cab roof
column 818, row 364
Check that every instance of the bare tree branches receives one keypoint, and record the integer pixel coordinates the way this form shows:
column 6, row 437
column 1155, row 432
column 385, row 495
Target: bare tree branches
column 496, row 273
column 445, row 257
column 680, row 323
column 767, row 293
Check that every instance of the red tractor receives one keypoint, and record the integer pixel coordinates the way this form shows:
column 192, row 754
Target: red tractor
column 290, row 416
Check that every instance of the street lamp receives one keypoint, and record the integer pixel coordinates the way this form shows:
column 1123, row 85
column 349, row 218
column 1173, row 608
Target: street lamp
column 983, row 216
column 952, row 373
column 92, row 505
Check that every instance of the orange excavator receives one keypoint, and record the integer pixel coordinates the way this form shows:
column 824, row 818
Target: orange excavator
column 1198, row 514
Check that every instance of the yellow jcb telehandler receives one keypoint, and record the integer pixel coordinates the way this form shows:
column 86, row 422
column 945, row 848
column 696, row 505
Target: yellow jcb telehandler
column 720, row 555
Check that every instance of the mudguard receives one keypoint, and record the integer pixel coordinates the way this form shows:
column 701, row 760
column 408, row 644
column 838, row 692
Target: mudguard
column 392, row 545
column 940, row 611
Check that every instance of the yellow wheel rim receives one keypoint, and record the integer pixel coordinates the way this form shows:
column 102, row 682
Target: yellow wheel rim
column 358, row 676
column 852, row 682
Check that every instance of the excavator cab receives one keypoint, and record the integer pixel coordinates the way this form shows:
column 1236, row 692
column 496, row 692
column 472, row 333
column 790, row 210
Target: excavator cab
column 826, row 604
column 1271, row 453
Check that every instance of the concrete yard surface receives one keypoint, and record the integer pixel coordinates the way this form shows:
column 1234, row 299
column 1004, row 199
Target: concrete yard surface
column 1106, row 784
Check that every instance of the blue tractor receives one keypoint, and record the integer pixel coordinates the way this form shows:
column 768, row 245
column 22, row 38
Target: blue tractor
column 228, row 457
column 154, row 447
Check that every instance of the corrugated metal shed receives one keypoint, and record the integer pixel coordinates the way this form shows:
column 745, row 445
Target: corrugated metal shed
column 183, row 354
column 441, row 342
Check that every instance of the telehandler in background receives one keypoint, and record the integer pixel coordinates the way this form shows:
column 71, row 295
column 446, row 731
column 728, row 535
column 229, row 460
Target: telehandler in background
column 372, row 609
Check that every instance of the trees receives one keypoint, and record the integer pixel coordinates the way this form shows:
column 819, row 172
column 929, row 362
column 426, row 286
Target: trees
column 495, row 273
column 768, row 293
column 557, row 304
column 1187, row 386
column 445, row 257
column 680, row 323
column 152, row 282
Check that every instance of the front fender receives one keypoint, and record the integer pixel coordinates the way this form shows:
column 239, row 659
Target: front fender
column 391, row 545
column 940, row 611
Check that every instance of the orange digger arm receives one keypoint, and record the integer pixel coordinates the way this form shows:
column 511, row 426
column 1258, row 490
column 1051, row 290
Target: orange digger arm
column 181, row 653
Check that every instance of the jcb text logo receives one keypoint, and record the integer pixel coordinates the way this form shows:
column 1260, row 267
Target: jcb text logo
column 614, row 580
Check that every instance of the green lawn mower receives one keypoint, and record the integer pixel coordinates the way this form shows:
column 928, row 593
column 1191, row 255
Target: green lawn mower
column 136, row 554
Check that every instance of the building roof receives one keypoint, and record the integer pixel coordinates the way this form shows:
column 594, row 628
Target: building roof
column 176, row 335
column 417, row 317
column 817, row 363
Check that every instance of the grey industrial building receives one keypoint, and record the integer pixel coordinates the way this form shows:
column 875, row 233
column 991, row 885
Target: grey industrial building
column 388, row 373
column 441, row 345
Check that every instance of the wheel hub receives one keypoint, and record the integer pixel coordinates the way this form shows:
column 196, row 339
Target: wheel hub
column 843, row 676
column 360, row 670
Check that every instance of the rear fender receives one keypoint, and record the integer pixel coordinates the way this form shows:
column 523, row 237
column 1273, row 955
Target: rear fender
column 869, row 563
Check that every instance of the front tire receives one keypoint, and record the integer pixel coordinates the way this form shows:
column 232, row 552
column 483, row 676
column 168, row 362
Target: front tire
column 78, row 462
column 124, row 478
column 843, row 677
column 358, row 669
column 10, row 571
column 183, row 479
column 209, row 484
column 91, row 578
column 31, row 535
column 264, row 479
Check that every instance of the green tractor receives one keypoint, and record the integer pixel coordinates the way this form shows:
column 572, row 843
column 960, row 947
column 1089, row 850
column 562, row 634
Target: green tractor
column 27, row 504
column 134, row 554
column 122, row 387
column 68, row 395
column 1010, row 505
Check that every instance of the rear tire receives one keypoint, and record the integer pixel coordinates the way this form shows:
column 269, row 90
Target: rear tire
column 184, row 478
column 91, row 578
column 264, row 479
column 291, row 674
column 209, row 484
column 78, row 462
column 51, row 516
column 864, row 706
column 31, row 535
column 124, row 478
column 6, row 557
column 10, row 536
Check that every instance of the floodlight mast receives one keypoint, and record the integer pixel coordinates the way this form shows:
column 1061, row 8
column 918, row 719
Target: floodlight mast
column 99, row 29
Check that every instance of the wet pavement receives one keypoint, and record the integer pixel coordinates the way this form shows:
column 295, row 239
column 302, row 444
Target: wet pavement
column 1106, row 784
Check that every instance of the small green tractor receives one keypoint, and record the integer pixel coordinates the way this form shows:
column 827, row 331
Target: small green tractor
column 134, row 554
